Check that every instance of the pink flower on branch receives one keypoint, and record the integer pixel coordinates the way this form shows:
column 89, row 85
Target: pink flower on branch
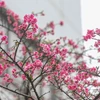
column 2, row 3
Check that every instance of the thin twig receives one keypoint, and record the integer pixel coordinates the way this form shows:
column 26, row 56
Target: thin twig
column 16, row 92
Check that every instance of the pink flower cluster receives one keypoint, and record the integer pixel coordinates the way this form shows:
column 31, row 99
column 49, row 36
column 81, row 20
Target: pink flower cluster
column 52, row 25
column 36, row 54
column 14, row 73
column 11, row 15
column 30, row 19
column 32, row 66
column 2, row 4
column 72, row 87
column 63, row 52
column 61, row 23
column 3, row 38
column 46, row 48
column 97, row 43
column 7, row 78
column 72, row 43
column 1, row 69
column 29, row 35
column 89, row 35
column 38, row 64
column 24, row 51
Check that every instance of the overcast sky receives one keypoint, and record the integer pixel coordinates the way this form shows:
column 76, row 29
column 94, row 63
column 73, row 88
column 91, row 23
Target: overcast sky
column 90, row 20
column 90, row 14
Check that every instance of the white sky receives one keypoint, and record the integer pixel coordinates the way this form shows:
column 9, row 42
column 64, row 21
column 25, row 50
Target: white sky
column 90, row 10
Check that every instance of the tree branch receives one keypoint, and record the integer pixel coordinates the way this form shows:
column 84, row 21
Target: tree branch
column 16, row 92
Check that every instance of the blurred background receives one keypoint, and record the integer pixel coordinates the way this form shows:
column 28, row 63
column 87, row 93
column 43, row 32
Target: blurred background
column 68, row 11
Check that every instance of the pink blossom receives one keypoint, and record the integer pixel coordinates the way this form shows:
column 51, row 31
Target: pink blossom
column 2, row 4
column 9, row 19
column 46, row 48
column 23, row 77
column 9, row 12
column 71, row 42
column 7, row 78
column 85, row 38
column 26, row 68
column 93, row 69
column 31, row 20
column 36, row 54
column 14, row 73
column 96, row 44
column 63, row 52
column 99, row 49
column 20, row 63
column 38, row 63
column 1, row 69
column 61, row 23
column 24, row 49
column 51, row 25
column 64, row 38
column 4, row 38
column 98, row 60
column 97, row 31
column 29, row 35
column 44, row 33
column 72, row 87
column 10, row 80
column 13, row 70
column 91, row 33
column 15, row 24
column 1, row 33
column 95, row 83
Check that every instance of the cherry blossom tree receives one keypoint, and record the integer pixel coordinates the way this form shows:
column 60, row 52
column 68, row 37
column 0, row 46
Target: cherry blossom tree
column 35, row 62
